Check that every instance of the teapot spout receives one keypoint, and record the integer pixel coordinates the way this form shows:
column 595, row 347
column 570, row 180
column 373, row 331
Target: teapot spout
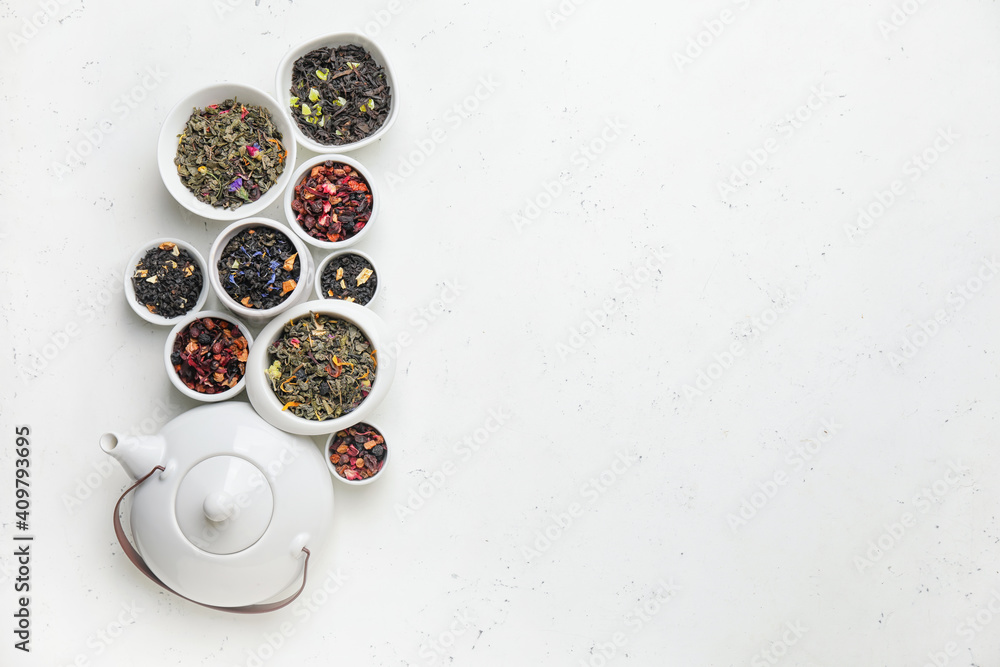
column 137, row 454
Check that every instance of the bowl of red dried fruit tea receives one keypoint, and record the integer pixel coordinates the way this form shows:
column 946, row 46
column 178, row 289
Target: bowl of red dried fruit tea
column 165, row 280
column 206, row 356
column 332, row 201
column 357, row 455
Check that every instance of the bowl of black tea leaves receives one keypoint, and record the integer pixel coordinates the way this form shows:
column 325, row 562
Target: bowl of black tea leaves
column 337, row 91
column 259, row 269
column 165, row 280
column 349, row 275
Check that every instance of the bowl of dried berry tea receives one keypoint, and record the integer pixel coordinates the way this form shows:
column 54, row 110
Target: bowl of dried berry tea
column 357, row 455
column 332, row 201
column 206, row 356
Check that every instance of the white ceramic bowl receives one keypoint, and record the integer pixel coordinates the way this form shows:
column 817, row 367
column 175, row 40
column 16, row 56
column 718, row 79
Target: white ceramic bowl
column 173, row 126
column 283, row 86
column 140, row 309
column 257, row 315
column 356, row 482
column 259, row 385
column 169, row 347
column 301, row 174
column 320, row 294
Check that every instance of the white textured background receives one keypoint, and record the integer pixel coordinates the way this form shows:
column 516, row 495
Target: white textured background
column 719, row 544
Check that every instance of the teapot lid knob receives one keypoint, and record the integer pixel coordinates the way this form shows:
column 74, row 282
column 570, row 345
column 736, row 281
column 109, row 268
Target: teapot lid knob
column 219, row 506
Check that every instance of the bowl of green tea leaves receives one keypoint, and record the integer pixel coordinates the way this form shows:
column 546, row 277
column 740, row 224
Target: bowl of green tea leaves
column 226, row 152
column 318, row 368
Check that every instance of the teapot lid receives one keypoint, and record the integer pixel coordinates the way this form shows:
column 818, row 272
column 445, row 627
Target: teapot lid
column 224, row 504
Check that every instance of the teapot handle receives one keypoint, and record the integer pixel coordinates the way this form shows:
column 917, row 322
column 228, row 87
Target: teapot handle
column 137, row 560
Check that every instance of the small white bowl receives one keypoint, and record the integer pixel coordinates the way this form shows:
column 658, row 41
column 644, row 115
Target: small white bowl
column 173, row 126
column 283, row 86
column 169, row 348
column 144, row 312
column 259, row 385
column 320, row 294
column 297, row 295
column 356, row 482
column 302, row 173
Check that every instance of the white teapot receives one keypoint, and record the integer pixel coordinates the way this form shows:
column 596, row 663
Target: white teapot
column 225, row 507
